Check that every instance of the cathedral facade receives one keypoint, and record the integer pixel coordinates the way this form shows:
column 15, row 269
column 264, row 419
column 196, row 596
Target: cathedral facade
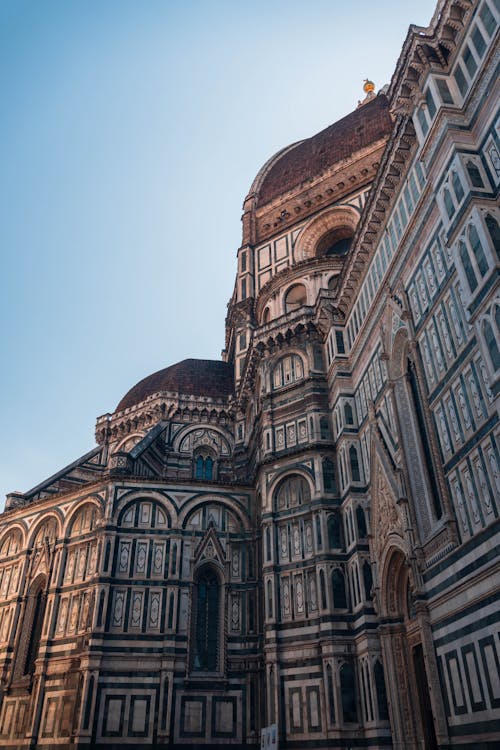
column 304, row 534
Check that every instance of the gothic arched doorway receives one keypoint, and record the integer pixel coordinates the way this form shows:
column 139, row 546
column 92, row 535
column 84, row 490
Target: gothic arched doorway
column 404, row 650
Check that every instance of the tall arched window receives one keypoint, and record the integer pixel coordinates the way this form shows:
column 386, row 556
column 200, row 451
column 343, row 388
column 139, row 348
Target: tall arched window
column 457, row 186
column 331, row 694
column 339, row 592
column 335, row 531
column 477, row 249
column 492, row 344
column 204, row 467
column 494, row 232
column 474, row 175
column 361, row 522
column 322, row 588
column 467, row 266
column 448, row 203
column 292, row 492
column 419, row 413
column 268, row 544
column 206, row 621
column 328, row 474
column 348, row 415
column 269, row 599
column 324, row 428
column 367, row 579
column 383, row 708
column 354, row 461
column 348, row 692
column 295, row 298
column 29, row 642
column 288, row 370
column 209, row 468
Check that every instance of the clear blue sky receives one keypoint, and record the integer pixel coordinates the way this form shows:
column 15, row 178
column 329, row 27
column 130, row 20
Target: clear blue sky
column 130, row 133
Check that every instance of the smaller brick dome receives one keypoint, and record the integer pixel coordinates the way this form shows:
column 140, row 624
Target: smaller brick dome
column 191, row 377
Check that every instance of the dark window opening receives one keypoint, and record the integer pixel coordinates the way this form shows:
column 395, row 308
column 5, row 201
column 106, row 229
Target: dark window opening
column 367, row 580
column 474, row 175
column 207, row 622
column 348, row 691
column 467, row 266
column 354, row 461
column 339, row 340
column 457, row 186
column 478, row 251
column 328, row 475
column 331, row 698
column 348, row 414
column 361, row 522
column 339, row 590
column 383, row 708
column 322, row 587
column 204, row 468
column 335, row 540
column 417, row 404
column 492, row 344
column 444, row 91
column 494, row 232
column 35, row 633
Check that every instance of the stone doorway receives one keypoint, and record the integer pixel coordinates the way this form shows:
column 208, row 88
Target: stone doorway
column 403, row 646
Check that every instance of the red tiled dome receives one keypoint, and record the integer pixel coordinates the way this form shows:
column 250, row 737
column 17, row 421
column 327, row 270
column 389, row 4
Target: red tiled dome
column 307, row 159
column 191, row 377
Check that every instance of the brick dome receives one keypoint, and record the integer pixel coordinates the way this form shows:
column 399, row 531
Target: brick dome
column 191, row 377
column 305, row 160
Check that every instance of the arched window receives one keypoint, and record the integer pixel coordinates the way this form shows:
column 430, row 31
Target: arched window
column 494, row 232
column 457, row 186
column 474, row 175
column 29, row 642
column 335, row 531
column 171, row 602
column 292, row 492
column 204, row 467
column 348, row 416
column 339, row 591
column 419, row 413
column 266, row 315
column 322, row 588
column 337, row 241
column 367, row 579
column 333, row 282
column 328, row 475
column 383, row 708
column 324, row 428
column 269, row 600
column 295, row 298
column 288, row 370
column 477, row 249
column 268, row 544
column 448, row 203
column 467, row 266
column 492, row 343
column 348, row 692
column 209, row 467
column 361, row 522
column 319, row 538
column 354, row 461
column 206, row 621
column 331, row 695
